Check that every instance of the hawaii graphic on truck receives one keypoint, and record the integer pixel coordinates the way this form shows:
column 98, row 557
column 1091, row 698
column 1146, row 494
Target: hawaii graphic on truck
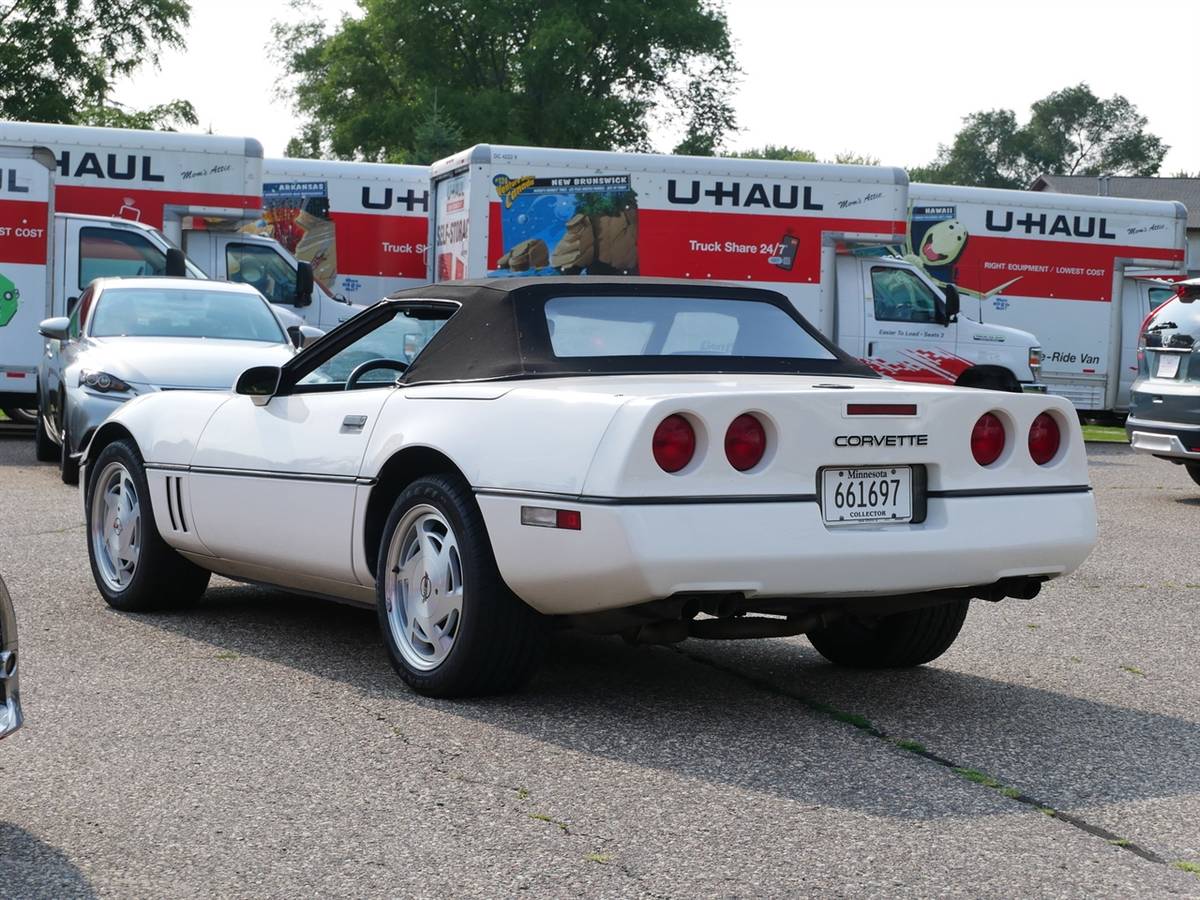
column 817, row 233
column 1080, row 272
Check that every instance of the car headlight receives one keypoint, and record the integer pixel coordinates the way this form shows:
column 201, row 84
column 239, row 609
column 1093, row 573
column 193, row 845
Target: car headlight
column 103, row 382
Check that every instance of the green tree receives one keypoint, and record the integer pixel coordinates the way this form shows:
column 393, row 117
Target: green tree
column 60, row 57
column 1069, row 132
column 775, row 151
column 163, row 117
column 557, row 73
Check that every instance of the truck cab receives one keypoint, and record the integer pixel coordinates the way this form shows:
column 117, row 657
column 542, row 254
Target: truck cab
column 262, row 262
column 902, row 324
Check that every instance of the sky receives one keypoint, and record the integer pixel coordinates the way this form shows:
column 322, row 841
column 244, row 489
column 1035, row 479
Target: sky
column 886, row 79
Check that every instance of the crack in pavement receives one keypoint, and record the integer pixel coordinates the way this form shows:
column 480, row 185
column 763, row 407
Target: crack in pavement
column 862, row 723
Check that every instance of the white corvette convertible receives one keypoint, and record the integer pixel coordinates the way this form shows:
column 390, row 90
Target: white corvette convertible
column 657, row 459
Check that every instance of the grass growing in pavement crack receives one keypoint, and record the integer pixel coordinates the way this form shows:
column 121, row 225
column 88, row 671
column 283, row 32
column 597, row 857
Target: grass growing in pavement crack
column 1186, row 866
column 542, row 817
column 1134, row 670
column 602, row 858
column 862, row 723
column 522, row 793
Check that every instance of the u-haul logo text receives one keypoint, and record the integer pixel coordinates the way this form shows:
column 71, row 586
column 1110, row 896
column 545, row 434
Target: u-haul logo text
column 1043, row 223
column 742, row 194
column 115, row 166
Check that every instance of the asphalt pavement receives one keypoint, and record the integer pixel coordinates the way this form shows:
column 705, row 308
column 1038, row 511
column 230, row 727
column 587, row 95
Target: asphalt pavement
column 260, row 745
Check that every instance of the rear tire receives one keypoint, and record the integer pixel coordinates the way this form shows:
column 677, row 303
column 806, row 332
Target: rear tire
column 134, row 568
column 1193, row 469
column 451, row 626
column 901, row 640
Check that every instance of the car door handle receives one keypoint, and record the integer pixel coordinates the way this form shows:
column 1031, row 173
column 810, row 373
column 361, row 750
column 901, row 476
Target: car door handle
column 354, row 423
column 870, row 348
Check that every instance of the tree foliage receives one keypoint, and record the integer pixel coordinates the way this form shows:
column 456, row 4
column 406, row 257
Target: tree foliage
column 59, row 57
column 1069, row 132
column 163, row 117
column 556, row 73
column 775, row 151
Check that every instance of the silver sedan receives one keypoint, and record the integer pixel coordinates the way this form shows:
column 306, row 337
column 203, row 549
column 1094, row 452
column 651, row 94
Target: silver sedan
column 131, row 336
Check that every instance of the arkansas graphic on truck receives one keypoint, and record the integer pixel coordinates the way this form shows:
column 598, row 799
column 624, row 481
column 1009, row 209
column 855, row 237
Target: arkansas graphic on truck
column 817, row 233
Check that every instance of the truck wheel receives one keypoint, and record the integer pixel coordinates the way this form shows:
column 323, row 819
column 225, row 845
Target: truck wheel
column 133, row 567
column 990, row 380
column 909, row 638
column 43, row 448
column 1193, row 469
column 21, row 416
column 451, row 626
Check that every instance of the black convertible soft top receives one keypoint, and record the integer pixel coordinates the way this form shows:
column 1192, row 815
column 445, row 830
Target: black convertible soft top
column 500, row 331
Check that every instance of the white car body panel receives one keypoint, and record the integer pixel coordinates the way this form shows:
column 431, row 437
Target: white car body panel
column 584, row 443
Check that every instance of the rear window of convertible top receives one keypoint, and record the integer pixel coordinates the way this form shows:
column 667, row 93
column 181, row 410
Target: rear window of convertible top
column 676, row 326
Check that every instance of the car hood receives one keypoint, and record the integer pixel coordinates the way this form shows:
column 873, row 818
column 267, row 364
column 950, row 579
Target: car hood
column 180, row 362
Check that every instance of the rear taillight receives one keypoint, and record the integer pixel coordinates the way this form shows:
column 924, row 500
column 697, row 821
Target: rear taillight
column 745, row 442
column 987, row 439
column 674, row 443
column 1044, row 439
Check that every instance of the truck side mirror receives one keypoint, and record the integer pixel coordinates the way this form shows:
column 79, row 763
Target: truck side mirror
column 259, row 383
column 304, row 284
column 176, row 263
column 303, row 335
column 952, row 302
column 72, row 302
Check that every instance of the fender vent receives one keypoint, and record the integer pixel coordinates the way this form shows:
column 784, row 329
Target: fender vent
column 175, row 503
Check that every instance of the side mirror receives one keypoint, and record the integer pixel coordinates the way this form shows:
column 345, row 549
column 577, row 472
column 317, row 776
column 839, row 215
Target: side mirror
column 57, row 329
column 259, row 383
column 304, row 284
column 303, row 335
column 176, row 263
column 953, row 302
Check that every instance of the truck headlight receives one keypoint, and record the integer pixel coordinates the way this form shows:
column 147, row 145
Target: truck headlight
column 1035, row 359
column 103, row 382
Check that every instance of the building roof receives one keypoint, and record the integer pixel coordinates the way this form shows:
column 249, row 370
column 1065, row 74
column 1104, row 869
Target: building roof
column 1185, row 190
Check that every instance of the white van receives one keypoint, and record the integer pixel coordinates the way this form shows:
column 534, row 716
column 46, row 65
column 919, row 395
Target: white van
column 1081, row 273
column 817, row 233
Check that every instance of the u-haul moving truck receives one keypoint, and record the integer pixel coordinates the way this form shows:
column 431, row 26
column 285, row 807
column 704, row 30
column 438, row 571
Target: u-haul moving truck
column 363, row 226
column 816, row 233
column 169, row 189
column 26, row 265
column 1079, row 272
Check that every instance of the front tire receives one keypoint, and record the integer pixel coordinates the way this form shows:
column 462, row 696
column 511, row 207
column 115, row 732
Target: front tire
column 43, row 448
column 451, row 626
column 68, row 466
column 134, row 568
column 901, row 640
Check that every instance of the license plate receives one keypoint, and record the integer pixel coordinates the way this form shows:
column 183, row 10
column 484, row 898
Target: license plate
column 1168, row 365
column 866, row 496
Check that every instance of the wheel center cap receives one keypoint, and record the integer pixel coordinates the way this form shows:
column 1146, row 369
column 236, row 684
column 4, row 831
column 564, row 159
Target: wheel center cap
column 117, row 526
column 426, row 586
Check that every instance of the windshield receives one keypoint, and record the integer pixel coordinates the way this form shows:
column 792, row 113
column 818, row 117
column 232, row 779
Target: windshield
column 176, row 312
column 676, row 326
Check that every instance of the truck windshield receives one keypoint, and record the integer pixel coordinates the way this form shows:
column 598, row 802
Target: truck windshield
column 676, row 326
column 177, row 312
column 260, row 266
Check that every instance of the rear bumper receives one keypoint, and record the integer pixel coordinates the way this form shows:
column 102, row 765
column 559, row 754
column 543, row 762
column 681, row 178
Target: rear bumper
column 626, row 554
column 1163, row 438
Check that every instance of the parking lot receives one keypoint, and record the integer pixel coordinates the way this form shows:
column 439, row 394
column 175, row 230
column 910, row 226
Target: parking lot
column 260, row 745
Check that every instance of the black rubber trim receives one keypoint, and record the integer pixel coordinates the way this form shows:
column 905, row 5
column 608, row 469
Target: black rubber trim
column 646, row 501
column 1015, row 491
column 264, row 473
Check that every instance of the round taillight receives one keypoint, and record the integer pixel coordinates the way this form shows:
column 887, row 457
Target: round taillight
column 674, row 443
column 987, row 439
column 745, row 442
column 1044, row 439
